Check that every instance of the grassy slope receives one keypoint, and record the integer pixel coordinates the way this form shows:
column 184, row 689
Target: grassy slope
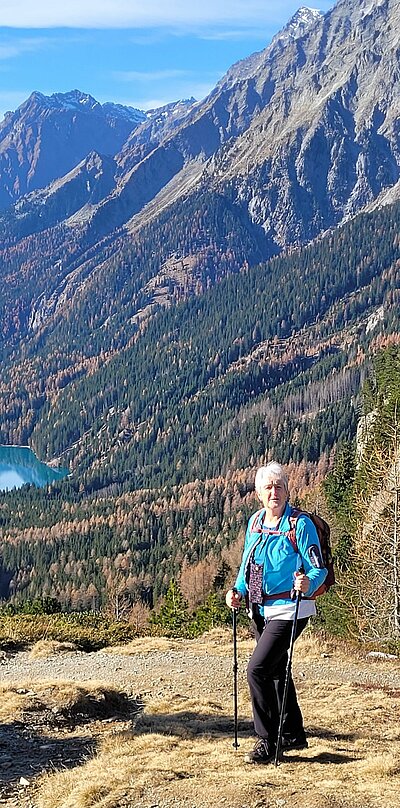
column 179, row 752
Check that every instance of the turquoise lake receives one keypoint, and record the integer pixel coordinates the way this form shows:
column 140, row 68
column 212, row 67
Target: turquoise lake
column 19, row 466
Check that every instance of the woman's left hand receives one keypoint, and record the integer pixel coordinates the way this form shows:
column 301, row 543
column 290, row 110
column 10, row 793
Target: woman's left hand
column 301, row 583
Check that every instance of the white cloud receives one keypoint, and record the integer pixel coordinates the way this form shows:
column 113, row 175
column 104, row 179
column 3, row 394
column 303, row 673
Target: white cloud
column 224, row 35
column 11, row 49
column 140, row 14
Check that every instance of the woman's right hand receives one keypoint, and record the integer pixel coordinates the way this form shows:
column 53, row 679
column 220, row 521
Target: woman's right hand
column 233, row 599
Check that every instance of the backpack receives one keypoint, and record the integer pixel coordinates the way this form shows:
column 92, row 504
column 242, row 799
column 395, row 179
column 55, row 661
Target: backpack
column 324, row 535
column 323, row 532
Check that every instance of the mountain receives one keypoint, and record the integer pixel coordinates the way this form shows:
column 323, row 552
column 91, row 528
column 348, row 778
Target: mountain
column 301, row 136
column 326, row 143
column 78, row 190
column 292, row 141
column 48, row 136
column 203, row 296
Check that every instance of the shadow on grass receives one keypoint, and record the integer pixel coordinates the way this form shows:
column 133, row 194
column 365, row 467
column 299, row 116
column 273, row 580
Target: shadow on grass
column 322, row 757
column 45, row 741
column 187, row 724
column 331, row 735
column 25, row 753
column 190, row 724
column 104, row 704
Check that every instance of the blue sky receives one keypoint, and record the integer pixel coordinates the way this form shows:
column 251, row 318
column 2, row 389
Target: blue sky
column 144, row 53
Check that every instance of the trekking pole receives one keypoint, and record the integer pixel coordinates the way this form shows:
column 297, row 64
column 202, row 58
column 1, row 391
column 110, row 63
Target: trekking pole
column 235, row 675
column 287, row 679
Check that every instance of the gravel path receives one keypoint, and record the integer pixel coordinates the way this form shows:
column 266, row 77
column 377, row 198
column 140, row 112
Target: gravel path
column 159, row 671
column 34, row 744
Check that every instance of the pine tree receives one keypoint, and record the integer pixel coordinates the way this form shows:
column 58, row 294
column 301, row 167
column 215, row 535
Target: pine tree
column 172, row 619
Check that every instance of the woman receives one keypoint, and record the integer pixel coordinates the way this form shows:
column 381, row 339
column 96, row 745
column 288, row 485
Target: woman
column 270, row 570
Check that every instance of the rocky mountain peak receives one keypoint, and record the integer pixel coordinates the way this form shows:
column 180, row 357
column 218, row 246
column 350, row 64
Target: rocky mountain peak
column 301, row 22
column 302, row 135
column 48, row 135
column 37, row 102
column 76, row 101
column 132, row 114
column 173, row 109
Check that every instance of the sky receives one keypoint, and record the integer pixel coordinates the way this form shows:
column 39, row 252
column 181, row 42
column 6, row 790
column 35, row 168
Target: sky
column 142, row 53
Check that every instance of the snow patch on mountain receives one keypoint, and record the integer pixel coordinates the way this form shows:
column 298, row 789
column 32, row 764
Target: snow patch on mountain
column 131, row 113
column 301, row 22
column 174, row 109
column 79, row 101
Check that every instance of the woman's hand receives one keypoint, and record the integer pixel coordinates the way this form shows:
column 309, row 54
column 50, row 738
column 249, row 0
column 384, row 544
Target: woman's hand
column 301, row 583
column 233, row 599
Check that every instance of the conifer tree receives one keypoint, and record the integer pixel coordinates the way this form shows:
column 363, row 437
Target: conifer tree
column 172, row 619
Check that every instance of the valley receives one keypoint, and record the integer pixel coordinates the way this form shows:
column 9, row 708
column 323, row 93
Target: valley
column 189, row 292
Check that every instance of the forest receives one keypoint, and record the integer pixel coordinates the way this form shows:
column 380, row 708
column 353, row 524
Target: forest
column 104, row 391
column 163, row 418
column 176, row 549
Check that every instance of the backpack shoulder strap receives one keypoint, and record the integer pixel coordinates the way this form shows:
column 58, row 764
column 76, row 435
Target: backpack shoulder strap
column 295, row 513
column 255, row 523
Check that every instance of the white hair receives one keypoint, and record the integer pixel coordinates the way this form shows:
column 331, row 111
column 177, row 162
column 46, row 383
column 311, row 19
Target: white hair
column 273, row 471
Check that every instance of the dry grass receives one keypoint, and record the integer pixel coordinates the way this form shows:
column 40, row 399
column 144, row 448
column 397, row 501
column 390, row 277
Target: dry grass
column 179, row 752
column 45, row 648
column 201, row 769
column 63, row 700
column 218, row 642
column 143, row 645
column 12, row 703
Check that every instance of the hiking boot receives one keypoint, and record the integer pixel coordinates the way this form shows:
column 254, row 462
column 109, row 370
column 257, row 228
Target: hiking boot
column 293, row 742
column 263, row 752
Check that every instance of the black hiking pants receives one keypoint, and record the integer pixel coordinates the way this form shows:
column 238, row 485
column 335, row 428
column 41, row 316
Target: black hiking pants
column 266, row 673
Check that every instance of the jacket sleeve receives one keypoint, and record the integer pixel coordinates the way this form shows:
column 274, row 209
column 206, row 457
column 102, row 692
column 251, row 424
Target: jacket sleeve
column 310, row 553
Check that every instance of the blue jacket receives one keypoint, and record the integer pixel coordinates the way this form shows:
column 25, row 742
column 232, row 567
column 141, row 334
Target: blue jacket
column 280, row 558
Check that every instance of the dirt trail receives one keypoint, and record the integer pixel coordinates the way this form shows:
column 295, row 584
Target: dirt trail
column 38, row 736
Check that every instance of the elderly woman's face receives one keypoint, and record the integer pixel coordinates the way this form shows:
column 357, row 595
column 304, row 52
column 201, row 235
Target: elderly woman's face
column 273, row 495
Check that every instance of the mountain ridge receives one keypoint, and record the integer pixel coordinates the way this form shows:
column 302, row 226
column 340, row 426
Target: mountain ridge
column 204, row 299
column 48, row 136
column 307, row 91
column 200, row 191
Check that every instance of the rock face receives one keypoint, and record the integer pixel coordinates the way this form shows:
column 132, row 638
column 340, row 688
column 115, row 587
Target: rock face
column 79, row 190
column 327, row 142
column 300, row 136
column 48, row 136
